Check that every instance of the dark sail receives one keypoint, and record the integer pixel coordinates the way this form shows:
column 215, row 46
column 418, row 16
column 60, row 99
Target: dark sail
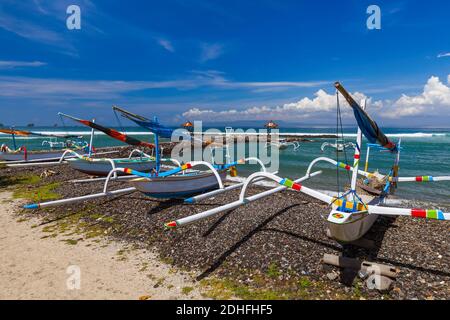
column 151, row 125
column 368, row 126
column 113, row 133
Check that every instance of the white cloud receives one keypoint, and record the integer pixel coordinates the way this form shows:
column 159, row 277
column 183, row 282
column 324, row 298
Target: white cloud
column 101, row 89
column 211, row 51
column 321, row 104
column 442, row 55
column 433, row 101
column 216, row 78
column 166, row 44
column 15, row 64
column 12, row 86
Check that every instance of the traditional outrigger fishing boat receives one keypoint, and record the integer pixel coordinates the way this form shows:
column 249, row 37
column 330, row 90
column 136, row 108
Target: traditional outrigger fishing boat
column 178, row 185
column 351, row 214
column 22, row 154
column 161, row 182
column 102, row 166
column 339, row 145
column 283, row 144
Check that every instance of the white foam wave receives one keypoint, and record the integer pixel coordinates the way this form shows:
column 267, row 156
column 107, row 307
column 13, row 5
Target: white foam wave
column 315, row 134
column 75, row 133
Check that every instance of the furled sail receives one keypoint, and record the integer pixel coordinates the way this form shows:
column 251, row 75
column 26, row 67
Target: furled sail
column 368, row 126
column 151, row 125
column 31, row 133
column 112, row 133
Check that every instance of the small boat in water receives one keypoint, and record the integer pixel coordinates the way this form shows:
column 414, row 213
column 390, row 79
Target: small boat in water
column 22, row 154
column 339, row 145
column 283, row 144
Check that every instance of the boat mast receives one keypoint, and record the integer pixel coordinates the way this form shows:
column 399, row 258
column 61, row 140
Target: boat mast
column 357, row 155
column 157, row 157
column 13, row 138
column 92, row 140
column 366, row 167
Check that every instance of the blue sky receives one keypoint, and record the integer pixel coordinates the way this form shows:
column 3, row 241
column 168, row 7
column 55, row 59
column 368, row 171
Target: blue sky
column 224, row 60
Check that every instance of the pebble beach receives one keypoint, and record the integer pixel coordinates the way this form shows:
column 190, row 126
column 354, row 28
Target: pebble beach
column 274, row 243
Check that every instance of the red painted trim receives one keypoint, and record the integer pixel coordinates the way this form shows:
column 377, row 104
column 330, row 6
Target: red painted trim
column 419, row 213
column 296, row 186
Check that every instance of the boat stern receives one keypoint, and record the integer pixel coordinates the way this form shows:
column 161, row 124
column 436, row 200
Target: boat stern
column 349, row 226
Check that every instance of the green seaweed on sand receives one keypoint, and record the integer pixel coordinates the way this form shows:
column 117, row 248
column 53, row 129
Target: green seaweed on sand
column 159, row 282
column 144, row 267
column 187, row 290
column 167, row 260
column 273, row 271
column 264, row 287
column 41, row 193
column 27, row 186
column 122, row 255
column 304, row 282
column 70, row 241
column 86, row 223
column 225, row 289
column 23, row 179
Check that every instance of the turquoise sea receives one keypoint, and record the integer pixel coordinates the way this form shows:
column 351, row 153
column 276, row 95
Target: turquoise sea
column 424, row 152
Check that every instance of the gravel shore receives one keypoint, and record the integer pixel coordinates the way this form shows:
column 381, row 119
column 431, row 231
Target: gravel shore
column 286, row 230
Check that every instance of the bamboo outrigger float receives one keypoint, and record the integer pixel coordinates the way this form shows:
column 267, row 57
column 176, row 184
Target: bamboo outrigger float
column 351, row 215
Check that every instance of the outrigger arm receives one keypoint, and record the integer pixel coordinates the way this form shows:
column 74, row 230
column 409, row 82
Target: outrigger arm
column 361, row 208
column 297, row 186
column 107, row 193
column 344, row 166
column 347, row 167
column 242, row 200
column 113, row 172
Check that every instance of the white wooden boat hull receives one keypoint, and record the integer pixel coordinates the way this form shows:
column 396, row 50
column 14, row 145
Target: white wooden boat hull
column 357, row 226
column 178, row 186
column 354, row 230
column 20, row 156
column 101, row 167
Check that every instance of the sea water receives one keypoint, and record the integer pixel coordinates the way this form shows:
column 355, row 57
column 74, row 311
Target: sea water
column 424, row 152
